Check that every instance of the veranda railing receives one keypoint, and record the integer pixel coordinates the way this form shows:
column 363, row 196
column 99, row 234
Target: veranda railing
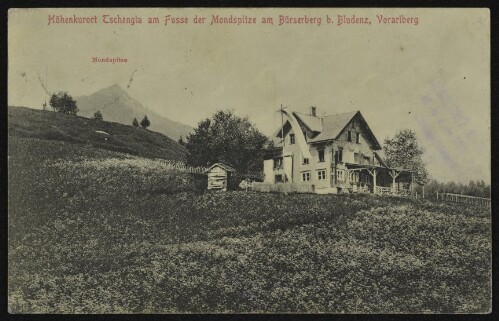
column 383, row 190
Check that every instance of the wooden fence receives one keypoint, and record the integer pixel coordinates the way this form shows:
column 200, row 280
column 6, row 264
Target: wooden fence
column 183, row 167
column 458, row 198
column 170, row 164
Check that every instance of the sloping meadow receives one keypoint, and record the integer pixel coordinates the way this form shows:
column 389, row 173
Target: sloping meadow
column 103, row 232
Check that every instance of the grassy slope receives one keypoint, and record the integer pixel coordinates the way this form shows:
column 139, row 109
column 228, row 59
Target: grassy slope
column 26, row 122
column 97, row 231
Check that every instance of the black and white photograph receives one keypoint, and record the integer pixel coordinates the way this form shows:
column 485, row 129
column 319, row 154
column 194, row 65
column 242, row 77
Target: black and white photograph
column 249, row 160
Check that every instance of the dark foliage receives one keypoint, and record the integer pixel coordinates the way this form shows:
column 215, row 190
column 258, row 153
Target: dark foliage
column 63, row 103
column 98, row 115
column 135, row 122
column 229, row 139
column 145, row 122
column 403, row 151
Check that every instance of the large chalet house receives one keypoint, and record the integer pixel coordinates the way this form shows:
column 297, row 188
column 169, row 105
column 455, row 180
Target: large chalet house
column 334, row 154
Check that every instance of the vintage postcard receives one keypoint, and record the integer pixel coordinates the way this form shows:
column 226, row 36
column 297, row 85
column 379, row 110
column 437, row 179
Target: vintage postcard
column 230, row 160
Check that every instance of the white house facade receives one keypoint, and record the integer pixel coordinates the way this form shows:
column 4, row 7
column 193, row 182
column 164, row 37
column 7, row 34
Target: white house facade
column 335, row 153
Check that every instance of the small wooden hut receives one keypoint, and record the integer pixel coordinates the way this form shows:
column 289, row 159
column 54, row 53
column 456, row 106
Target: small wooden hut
column 218, row 176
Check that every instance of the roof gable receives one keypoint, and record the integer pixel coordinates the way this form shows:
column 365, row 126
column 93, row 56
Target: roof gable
column 368, row 131
column 312, row 122
column 330, row 127
column 334, row 125
column 221, row 165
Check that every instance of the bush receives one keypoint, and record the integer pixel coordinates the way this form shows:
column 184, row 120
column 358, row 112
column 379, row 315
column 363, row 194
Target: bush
column 62, row 102
column 98, row 115
column 145, row 122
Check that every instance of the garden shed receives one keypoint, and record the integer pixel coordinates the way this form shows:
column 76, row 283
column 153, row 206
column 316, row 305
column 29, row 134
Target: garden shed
column 218, row 176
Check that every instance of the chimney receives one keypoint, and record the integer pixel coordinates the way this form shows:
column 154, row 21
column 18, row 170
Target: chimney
column 313, row 111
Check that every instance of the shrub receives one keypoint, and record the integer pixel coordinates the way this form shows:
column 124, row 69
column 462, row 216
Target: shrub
column 98, row 115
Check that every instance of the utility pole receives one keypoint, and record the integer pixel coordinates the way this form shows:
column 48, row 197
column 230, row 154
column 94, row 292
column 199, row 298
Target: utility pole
column 46, row 89
column 282, row 137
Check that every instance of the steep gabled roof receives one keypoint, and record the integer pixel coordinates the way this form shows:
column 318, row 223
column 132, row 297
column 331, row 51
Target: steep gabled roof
column 313, row 123
column 331, row 126
column 225, row 167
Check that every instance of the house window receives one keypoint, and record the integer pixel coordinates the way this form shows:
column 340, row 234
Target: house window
column 291, row 139
column 349, row 135
column 306, row 161
column 356, row 158
column 321, row 174
column 357, row 138
column 340, row 175
column 340, row 155
column 278, row 163
column 321, row 155
column 278, row 179
column 305, row 176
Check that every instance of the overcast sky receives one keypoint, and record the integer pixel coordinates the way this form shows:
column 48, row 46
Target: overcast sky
column 433, row 78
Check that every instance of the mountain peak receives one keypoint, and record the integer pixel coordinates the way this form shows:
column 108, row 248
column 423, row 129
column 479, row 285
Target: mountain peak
column 116, row 85
column 116, row 88
column 117, row 105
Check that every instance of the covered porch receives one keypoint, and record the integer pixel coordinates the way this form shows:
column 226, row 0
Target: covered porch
column 379, row 180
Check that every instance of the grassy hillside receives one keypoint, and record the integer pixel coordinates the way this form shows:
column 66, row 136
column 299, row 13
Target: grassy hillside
column 30, row 123
column 96, row 231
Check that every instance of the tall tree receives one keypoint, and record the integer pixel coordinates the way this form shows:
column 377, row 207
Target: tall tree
column 135, row 122
column 145, row 122
column 227, row 138
column 63, row 103
column 403, row 151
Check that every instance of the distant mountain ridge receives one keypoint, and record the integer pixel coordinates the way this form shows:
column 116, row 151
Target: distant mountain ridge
column 117, row 105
